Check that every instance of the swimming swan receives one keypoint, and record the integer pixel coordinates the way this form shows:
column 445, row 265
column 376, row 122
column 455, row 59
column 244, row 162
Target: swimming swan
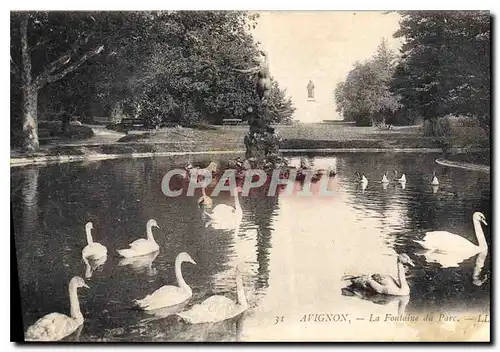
column 435, row 181
column 142, row 246
column 385, row 284
column 93, row 249
column 217, row 308
column 384, row 178
column 56, row 326
column 361, row 178
column 401, row 179
column 169, row 295
column 225, row 216
column 445, row 241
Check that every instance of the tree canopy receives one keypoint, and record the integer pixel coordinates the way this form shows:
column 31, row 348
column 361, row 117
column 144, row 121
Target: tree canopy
column 164, row 65
column 445, row 64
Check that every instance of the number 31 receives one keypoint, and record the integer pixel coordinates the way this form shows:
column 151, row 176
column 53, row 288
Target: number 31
column 279, row 320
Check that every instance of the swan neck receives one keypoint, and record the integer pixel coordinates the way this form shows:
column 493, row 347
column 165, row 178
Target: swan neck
column 203, row 192
column 178, row 275
column 237, row 201
column 74, row 303
column 402, row 276
column 149, row 232
column 480, row 235
column 89, row 236
column 240, row 292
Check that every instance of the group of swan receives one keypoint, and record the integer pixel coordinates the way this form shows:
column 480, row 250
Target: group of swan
column 361, row 179
column 448, row 247
column 56, row 326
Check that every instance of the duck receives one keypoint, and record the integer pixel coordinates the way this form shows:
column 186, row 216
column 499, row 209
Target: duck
column 447, row 242
column 385, row 284
column 93, row 249
column 142, row 246
column 169, row 295
column 384, row 178
column 196, row 171
column 435, row 181
column 217, row 308
column 225, row 216
column 56, row 326
column 205, row 200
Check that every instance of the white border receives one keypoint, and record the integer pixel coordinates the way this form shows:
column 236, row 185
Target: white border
column 191, row 4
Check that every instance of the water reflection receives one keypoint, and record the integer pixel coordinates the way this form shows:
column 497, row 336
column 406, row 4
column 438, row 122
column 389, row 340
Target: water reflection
column 294, row 250
column 142, row 264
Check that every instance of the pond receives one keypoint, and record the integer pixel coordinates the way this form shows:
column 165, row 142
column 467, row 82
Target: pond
column 292, row 251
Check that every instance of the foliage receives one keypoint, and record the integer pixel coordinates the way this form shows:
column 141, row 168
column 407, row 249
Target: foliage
column 365, row 96
column 437, row 127
column 445, row 66
column 171, row 66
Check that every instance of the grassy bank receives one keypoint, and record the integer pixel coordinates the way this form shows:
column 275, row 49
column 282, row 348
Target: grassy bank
column 301, row 136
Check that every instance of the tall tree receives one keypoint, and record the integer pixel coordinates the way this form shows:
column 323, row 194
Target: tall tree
column 445, row 65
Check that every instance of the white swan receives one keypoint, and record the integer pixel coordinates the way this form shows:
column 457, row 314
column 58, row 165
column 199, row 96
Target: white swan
column 384, row 178
column 56, row 326
column 225, row 216
column 169, row 295
column 385, row 284
column 142, row 246
column 217, row 308
column 401, row 179
column 93, row 249
column 445, row 241
column 435, row 181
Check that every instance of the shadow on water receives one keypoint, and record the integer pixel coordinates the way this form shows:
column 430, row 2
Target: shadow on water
column 292, row 249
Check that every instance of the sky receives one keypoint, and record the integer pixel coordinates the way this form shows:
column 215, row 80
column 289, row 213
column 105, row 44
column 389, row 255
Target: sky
column 322, row 46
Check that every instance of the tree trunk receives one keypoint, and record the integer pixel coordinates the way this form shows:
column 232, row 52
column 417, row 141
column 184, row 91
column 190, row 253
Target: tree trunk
column 30, row 94
column 30, row 123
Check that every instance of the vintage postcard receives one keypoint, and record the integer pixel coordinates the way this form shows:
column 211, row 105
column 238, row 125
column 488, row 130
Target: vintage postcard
column 240, row 176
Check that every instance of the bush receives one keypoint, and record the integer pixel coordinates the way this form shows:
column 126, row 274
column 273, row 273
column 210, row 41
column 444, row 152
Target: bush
column 437, row 127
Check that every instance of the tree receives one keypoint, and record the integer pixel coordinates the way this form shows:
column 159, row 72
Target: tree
column 365, row 95
column 445, row 65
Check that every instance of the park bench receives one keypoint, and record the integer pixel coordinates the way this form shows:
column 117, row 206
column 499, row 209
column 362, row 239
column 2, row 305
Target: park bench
column 129, row 123
column 231, row 121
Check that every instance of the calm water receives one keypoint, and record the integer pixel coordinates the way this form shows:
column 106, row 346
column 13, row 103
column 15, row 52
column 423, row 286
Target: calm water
column 293, row 250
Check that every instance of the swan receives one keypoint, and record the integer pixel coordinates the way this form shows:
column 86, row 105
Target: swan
column 435, row 181
column 445, row 241
column 169, row 295
column 361, row 178
column 142, row 246
column 384, row 178
column 93, row 249
column 56, row 326
column 377, row 298
column 205, row 200
column 217, row 308
column 225, row 216
column 196, row 171
column 385, row 284
column 401, row 179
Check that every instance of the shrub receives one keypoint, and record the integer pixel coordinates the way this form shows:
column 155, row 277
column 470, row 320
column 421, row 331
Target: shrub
column 437, row 127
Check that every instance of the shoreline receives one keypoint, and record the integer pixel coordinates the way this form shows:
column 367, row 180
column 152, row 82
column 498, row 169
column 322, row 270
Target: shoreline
column 65, row 158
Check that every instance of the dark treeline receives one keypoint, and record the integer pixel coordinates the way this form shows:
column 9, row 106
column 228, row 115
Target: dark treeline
column 443, row 69
column 169, row 66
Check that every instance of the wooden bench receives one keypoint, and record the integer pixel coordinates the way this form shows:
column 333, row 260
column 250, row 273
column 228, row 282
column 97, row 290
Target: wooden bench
column 129, row 123
column 231, row 121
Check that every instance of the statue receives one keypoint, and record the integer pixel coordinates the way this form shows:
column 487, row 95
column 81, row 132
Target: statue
column 262, row 143
column 310, row 90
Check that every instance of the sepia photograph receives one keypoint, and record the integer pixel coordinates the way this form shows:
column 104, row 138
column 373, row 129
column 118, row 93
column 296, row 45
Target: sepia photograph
column 251, row 176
